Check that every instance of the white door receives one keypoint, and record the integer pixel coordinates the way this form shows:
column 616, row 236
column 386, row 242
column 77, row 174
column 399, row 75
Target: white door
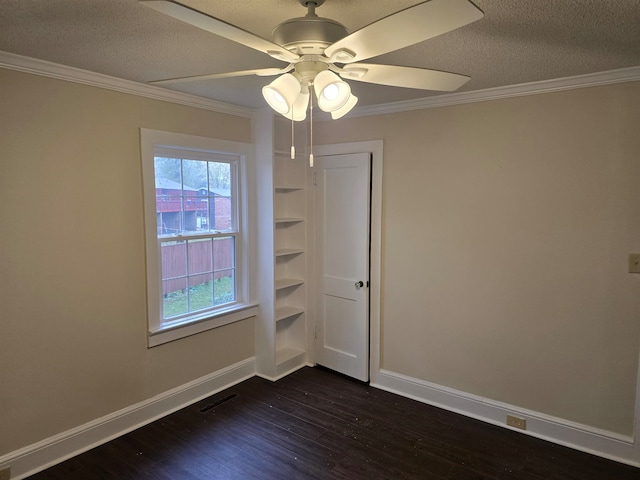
column 342, row 242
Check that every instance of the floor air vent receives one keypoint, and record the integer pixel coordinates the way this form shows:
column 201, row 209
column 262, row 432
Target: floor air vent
column 216, row 403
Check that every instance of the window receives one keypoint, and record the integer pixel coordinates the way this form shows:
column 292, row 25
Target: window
column 197, row 233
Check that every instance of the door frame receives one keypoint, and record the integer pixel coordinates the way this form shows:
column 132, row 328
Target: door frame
column 375, row 148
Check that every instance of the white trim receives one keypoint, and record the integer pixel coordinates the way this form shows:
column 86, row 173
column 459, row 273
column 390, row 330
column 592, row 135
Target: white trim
column 215, row 320
column 588, row 439
column 375, row 147
column 53, row 450
column 284, row 374
column 631, row 74
column 245, row 308
column 34, row 66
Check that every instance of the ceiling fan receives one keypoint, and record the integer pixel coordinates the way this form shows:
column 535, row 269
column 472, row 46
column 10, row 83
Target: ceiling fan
column 319, row 51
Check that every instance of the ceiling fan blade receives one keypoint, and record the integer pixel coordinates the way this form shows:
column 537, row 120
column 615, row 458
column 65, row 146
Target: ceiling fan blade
column 264, row 72
column 407, row 77
column 402, row 29
column 219, row 27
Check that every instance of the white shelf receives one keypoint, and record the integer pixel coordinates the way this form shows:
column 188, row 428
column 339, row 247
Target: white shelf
column 282, row 336
column 288, row 282
column 286, row 354
column 284, row 252
column 285, row 220
column 287, row 311
column 292, row 360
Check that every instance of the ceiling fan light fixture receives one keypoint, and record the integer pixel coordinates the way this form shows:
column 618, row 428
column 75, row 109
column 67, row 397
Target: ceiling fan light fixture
column 298, row 111
column 346, row 108
column 282, row 93
column 332, row 93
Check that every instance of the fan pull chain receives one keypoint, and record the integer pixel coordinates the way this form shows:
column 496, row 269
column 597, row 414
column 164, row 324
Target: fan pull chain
column 311, row 131
column 293, row 143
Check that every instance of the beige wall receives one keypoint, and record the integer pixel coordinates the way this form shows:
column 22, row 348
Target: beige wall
column 506, row 227
column 506, row 230
column 72, row 265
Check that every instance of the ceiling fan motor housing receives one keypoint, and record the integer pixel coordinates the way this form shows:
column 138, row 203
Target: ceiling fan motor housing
column 308, row 35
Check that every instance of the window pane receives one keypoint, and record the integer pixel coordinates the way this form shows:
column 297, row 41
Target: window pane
column 190, row 207
column 169, row 214
column 168, row 173
column 174, row 259
column 200, row 256
column 174, row 297
column 200, row 292
column 193, row 196
column 224, row 267
column 220, row 196
column 220, row 213
column 224, row 287
column 203, row 221
column 194, row 174
column 219, row 175
column 223, row 253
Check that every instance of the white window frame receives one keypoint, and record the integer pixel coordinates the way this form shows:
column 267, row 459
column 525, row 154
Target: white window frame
column 153, row 142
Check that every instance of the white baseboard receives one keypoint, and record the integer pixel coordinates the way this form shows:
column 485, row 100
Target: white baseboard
column 580, row 437
column 39, row 456
column 288, row 372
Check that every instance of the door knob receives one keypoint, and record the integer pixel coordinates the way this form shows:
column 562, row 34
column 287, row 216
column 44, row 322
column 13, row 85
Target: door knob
column 359, row 284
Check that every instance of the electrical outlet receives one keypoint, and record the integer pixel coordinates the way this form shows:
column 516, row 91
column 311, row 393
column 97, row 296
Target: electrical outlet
column 5, row 473
column 634, row 263
column 517, row 422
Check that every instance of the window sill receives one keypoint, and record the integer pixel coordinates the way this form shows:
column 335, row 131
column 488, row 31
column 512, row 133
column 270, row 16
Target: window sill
column 186, row 329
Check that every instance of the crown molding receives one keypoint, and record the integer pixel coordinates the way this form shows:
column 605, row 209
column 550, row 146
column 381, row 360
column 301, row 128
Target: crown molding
column 44, row 68
column 631, row 74
column 34, row 66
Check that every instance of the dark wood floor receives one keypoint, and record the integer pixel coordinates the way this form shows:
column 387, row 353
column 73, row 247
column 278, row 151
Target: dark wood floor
column 316, row 424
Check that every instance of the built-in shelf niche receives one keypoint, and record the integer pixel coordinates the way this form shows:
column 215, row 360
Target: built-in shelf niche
column 286, row 283
column 282, row 346
column 288, row 252
column 287, row 220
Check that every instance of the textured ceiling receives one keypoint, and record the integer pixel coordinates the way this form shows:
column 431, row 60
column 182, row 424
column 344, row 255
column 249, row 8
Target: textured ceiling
column 516, row 41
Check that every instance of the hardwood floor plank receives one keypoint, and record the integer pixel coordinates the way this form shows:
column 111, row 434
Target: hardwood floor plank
column 314, row 425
